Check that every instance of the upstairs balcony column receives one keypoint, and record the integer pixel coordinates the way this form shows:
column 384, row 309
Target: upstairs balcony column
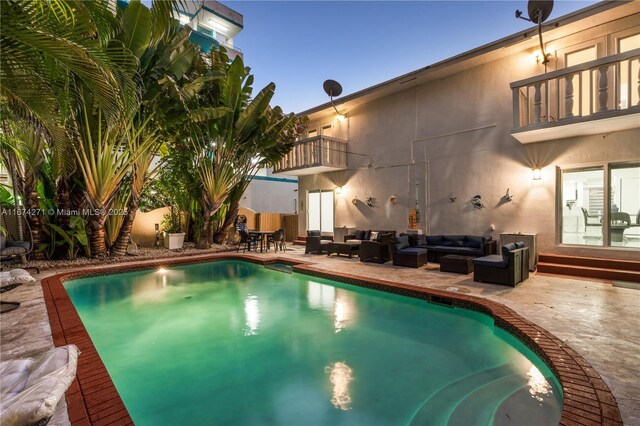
column 603, row 88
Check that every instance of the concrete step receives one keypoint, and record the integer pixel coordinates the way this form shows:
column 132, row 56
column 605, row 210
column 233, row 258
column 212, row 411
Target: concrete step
column 590, row 262
column 589, row 272
column 299, row 243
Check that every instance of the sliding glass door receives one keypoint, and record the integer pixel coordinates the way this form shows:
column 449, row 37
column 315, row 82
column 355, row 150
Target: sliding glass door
column 320, row 211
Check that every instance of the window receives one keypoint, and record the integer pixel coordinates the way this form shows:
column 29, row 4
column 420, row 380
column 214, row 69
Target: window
column 628, row 69
column 312, row 133
column 624, row 182
column 586, row 215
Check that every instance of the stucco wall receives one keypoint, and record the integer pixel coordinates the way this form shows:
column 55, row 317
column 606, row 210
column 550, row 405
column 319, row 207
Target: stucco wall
column 482, row 158
column 270, row 196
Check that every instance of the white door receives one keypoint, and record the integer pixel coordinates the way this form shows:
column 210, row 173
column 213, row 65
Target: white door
column 320, row 211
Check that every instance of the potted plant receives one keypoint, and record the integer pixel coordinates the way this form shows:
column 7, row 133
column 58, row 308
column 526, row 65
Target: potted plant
column 173, row 237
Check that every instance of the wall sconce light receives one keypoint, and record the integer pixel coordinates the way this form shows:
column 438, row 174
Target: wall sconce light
column 536, row 173
column 393, row 200
column 341, row 118
column 339, row 190
column 540, row 57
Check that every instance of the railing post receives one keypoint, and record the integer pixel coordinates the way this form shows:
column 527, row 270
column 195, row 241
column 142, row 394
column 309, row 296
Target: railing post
column 537, row 102
column 603, row 89
column 568, row 96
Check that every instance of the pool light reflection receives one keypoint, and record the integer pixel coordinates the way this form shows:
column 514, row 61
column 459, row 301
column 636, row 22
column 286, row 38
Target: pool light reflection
column 340, row 375
column 252, row 315
column 538, row 386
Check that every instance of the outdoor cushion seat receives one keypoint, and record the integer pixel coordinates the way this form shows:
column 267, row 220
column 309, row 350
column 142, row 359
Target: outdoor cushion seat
column 353, row 241
column 510, row 267
column 14, row 251
column 30, row 389
column 405, row 255
column 442, row 245
column 412, row 250
column 317, row 243
column 14, row 278
column 493, row 260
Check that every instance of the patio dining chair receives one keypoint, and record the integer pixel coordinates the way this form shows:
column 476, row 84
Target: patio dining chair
column 247, row 241
column 277, row 239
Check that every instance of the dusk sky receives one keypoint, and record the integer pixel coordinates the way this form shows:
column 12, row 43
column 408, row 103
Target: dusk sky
column 299, row 44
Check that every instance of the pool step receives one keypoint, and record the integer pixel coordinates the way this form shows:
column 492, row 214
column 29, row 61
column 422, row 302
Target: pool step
column 590, row 267
column 478, row 406
column 513, row 412
column 280, row 267
column 456, row 391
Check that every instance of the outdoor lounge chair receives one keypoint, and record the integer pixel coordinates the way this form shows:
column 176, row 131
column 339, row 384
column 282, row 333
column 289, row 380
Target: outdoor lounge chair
column 30, row 389
column 509, row 268
column 405, row 255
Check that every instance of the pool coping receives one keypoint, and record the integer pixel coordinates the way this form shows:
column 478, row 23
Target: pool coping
column 93, row 399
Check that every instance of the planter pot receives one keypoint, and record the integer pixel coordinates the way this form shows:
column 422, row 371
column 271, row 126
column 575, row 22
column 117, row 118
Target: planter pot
column 174, row 241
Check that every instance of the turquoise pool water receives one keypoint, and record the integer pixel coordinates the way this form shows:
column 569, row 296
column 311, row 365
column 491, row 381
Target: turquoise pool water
column 235, row 343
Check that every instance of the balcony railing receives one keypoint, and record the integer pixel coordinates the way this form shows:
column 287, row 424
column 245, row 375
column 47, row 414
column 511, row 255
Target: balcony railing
column 604, row 89
column 314, row 155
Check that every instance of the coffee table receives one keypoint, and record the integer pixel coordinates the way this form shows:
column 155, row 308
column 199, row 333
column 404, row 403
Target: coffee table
column 456, row 263
column 348, row 249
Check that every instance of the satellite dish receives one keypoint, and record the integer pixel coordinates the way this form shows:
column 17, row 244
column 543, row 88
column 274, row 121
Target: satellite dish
column 332, row 88
column 539, row 10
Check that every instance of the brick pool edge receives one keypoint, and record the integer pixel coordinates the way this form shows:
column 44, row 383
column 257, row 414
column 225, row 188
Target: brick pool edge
column 93, row 399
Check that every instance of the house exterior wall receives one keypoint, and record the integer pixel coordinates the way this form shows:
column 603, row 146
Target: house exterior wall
column 452, row 137
column 269, row 196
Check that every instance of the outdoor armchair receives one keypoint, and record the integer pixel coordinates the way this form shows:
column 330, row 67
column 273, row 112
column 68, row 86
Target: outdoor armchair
column 379, row 250
column 316, row 243
column 509, row 268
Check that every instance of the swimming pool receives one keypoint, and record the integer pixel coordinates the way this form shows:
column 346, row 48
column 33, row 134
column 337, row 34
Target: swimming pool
column 234, row 342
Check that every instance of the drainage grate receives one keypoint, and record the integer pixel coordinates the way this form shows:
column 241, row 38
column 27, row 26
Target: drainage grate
column 282, row 267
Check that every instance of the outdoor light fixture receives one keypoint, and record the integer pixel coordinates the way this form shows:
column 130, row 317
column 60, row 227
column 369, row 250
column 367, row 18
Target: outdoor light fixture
column 341, row 117
column 338, row 190
column 537, row 173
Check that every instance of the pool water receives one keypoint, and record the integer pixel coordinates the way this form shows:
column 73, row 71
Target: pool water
column 232, row 342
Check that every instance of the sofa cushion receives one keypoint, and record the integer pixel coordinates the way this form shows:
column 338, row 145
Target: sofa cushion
column 434, row 240
column 494, row 261
column 473, row 241
column 453, row 240
column 360, row 234
column 506, row 249
column 313, row 233
column 402, row 242
column 367, row 234
column 412, row 250
column 469, row 250
column 352, row 241
column 519, row 244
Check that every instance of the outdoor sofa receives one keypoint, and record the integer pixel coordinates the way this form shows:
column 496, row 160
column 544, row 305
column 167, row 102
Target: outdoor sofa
column 442, row 245
column 378, row 248
column 511, row 267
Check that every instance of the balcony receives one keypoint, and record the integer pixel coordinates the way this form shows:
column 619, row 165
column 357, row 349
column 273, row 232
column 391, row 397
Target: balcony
column 596, row 97
column 314, row 155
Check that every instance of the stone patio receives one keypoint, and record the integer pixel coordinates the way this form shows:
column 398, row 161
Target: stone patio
column 598, row 320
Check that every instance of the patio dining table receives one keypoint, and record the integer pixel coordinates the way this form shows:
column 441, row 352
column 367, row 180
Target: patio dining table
column 263, row 237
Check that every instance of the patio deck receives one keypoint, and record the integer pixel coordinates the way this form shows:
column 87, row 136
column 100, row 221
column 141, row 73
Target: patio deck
column 596, row 319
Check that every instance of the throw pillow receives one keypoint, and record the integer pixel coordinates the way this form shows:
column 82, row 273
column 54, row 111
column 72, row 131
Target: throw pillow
column 402, row 242
column 373, row 236
column 16, row 276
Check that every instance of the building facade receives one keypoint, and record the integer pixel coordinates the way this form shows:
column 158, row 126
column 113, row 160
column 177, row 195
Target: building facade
column 492, row 141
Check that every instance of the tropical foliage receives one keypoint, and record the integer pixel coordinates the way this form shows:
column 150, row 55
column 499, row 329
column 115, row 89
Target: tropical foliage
column 104, row 112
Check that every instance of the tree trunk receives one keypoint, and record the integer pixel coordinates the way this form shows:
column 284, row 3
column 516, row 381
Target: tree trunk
column 119, row 248
column 98, row 237
column 63, row 202
column 229, row 218
column 203, row 242
column 35, row 223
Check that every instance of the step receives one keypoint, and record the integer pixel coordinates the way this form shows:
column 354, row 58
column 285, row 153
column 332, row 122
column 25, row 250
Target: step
column 437, row 408
column 299, row 243
column 589, row 272
column 480, row 404
column 591, row 262
column 514, row 409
